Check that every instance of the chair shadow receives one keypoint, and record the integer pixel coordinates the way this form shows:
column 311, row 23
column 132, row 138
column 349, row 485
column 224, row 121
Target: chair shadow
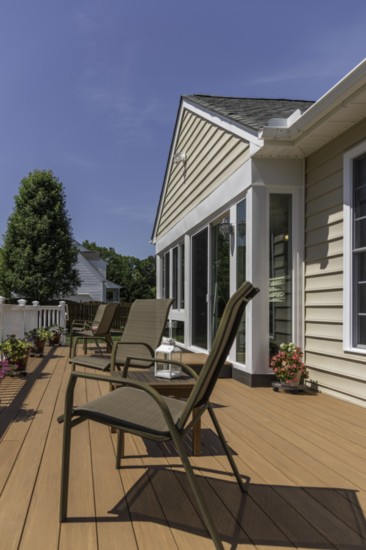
column 273, row 515
column 211, row 445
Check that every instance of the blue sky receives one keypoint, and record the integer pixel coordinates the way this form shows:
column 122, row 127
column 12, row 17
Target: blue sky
column 90, row 89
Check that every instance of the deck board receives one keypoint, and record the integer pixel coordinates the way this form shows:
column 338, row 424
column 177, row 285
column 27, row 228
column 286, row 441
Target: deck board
column 302, row 457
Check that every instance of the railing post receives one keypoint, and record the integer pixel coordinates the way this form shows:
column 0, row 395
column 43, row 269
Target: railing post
column 62, row 319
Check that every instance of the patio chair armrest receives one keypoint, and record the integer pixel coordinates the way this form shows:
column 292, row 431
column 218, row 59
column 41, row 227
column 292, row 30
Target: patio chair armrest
column 185, row 368
column 116, row 345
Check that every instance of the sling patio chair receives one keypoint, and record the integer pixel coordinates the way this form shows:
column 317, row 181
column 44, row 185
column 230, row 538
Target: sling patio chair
column 141, row 336
column 100, row 329
column 79, row 325
column 136, row 408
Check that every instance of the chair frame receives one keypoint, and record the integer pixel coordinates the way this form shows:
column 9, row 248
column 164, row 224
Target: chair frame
column 198, row 400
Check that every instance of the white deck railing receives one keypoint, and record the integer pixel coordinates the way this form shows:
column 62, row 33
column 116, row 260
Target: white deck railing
column 19, row 319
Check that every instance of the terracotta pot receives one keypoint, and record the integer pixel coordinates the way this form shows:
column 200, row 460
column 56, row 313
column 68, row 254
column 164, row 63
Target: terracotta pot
column 54, row 340
column 294, row 382
column 38, row 347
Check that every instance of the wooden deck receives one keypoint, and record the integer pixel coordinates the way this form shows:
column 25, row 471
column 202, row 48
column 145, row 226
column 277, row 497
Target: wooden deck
column 303, row 457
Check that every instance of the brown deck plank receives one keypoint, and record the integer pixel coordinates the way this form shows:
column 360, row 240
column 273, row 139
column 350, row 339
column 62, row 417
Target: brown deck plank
column 80, row 533
column 44, row 507
column 303, row 456
column 18, row 490
column 108, row 486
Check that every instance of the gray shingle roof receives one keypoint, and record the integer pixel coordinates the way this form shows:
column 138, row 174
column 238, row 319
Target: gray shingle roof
column 251, row 112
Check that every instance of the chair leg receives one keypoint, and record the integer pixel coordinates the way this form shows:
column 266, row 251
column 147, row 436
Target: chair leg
column 120, row 451
column 201, row 503
column 227, row 449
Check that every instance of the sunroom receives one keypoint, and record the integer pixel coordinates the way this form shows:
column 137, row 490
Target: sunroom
column 226, row 215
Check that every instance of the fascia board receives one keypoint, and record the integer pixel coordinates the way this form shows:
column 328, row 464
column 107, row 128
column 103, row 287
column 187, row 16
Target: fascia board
column 224, row 122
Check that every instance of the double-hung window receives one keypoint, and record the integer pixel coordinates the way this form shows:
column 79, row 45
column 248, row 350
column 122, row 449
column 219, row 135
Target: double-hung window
column 355, row 248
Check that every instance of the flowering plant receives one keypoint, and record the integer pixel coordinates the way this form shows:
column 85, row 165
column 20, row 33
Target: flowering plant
column 4, row 368
column 288, row 363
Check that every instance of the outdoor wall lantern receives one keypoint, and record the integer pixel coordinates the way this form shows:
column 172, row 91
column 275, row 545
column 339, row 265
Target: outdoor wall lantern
column 179, row 157
column 226, row 228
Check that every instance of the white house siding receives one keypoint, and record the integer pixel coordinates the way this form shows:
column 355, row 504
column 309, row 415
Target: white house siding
column 91, row 284
column 212, row 153
column 333, row 370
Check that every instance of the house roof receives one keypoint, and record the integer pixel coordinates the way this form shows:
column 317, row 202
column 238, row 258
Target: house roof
column 253, row 113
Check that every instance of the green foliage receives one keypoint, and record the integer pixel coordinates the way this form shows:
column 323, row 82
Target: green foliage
column 136, row 277
column 37, row 334
column 15, row 349
column 39, row 253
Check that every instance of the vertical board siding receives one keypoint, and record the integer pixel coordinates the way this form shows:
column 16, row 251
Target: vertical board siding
column 212, row 155
column 333, row 370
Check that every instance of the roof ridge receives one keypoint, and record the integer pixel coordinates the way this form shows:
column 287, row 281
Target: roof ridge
column 250, row 98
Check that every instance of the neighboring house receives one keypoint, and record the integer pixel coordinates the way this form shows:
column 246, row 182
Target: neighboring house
column 272, row 191
column 94, row 283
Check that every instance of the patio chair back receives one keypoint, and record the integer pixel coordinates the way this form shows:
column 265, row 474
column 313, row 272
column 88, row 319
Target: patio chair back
column 225, row 336
column 143, row 331
column 104, row 318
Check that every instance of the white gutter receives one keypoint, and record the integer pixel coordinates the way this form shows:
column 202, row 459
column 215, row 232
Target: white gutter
column 330, row 101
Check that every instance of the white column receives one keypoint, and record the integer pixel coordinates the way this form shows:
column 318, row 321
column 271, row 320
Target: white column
column 257, row 312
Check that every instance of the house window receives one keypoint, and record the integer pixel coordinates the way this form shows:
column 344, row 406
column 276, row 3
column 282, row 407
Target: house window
column 354, row 211
column 355, row 248
column 359, row 252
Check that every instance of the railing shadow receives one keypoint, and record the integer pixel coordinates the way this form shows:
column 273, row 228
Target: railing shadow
column 14, row 390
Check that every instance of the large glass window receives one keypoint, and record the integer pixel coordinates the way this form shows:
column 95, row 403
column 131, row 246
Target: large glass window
column 199, row 289
column 178, row 277
column 175, row 282
column 280, row 275
column 166, row 275
column 220, row 271
column 241, row 248
column 181, row 277
column 359, row 252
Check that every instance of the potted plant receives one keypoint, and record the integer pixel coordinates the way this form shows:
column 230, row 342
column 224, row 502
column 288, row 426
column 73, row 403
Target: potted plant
column 38, row 337
column 288, row 366
column 16, row 352
column 4, row 368
column 55, row 333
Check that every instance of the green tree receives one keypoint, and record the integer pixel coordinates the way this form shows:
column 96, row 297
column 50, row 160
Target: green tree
column 39, row 254
column 136, row 277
